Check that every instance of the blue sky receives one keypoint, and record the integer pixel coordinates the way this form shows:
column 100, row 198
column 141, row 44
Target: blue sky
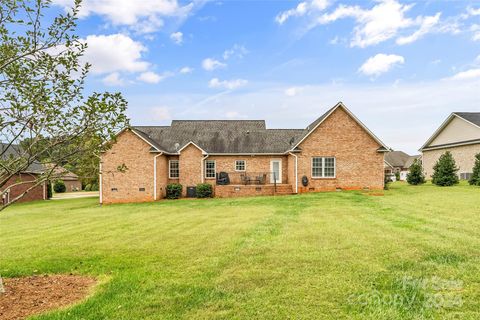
column 400, row 66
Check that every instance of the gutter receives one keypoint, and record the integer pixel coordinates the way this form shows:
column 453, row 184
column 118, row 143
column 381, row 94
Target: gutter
column 202, row 164
column 155, row 175
column 296, row 171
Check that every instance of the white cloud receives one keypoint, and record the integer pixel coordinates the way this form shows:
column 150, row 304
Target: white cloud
column 467, row 75
column 113, row 80
column 380, row 63
column 427, row 25
column 210, row 64
column 475, row 28
column 186, row 70
column 382, row 22
column 113, row 53
column 160, row 113
column 143, row 16
column 227, row 84
column 292, row 91
column 152, row 77
column 301, row 9
column 177, row 37
column 237, row 51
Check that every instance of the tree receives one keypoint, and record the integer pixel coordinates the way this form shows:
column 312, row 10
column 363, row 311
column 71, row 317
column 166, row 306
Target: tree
column 445, row 171
column 475, row 178
column 43, row 112
column 59, row 186
column 415, row 174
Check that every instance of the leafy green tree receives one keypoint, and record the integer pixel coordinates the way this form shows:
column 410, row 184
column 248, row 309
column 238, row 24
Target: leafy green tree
column 475, row 179
column 415, row 174
column 44, row 113
column 445, row 171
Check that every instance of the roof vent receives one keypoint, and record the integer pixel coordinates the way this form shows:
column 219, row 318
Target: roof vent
column 292, row 140
column 177, row 145
column 248, row 131
column 308, row 128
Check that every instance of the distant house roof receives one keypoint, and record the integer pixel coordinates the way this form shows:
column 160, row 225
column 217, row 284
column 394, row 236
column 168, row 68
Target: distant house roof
column 231, row 136
column 471, row 117
column 9, row 151
column 400, row 159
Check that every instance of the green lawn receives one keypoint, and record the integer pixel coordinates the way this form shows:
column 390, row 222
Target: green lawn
column 411, row 254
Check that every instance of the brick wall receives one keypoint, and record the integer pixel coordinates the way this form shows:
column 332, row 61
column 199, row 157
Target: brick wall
column 464, row 157
column 135, row 153
column 190, row 167
column 358, row 164
column 73, row 185
column 254, row 164
column 37, row 193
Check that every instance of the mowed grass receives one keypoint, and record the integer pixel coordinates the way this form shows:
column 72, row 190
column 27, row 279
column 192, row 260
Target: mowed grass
column 413, row 253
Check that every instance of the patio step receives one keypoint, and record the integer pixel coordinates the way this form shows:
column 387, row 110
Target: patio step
column 284, row 189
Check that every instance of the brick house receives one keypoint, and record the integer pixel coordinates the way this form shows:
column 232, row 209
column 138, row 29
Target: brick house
column 242, row 158
column 399, row 161
column 459, row 134
column 23, row 181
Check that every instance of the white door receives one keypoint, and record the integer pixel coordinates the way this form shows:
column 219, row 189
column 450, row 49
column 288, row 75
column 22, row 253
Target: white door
column 276, row 171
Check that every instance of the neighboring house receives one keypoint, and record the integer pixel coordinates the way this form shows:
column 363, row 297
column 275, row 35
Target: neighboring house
column 71, row 180
column 459, row 134
column 398, row 161
column 19, row 183
column 242, row 157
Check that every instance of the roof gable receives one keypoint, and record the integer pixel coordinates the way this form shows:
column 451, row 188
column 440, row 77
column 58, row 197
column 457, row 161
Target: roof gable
column 314, row 125
column 458, row 128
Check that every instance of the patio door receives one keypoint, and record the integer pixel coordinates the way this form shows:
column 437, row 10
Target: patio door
column 276, row 171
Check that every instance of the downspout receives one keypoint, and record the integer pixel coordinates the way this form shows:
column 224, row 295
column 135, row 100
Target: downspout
column 203, row 167
column 155, row 175
column 296, row 171
column 100, row 187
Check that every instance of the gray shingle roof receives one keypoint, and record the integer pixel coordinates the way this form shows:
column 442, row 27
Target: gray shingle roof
column 14, row 151
column 400, row 159
column 473, row 117
column 231, row 136
column 221, row 136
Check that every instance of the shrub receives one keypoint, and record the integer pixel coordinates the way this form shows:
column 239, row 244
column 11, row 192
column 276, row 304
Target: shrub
column 88, row 187
column 49, row 190
column 94, row 187
column 174, row 190
column 397, row 176
column 59, row 186
column 415, row 174
column 386, row 181
column 204, row 190
column 445, row 171
column 475, row 178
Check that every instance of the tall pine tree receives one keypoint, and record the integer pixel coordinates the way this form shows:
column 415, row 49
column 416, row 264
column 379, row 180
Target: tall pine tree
column 445, row 171
column 415, row 175
column 475, row 179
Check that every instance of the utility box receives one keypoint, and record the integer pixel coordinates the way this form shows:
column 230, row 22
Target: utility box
column 191, row 192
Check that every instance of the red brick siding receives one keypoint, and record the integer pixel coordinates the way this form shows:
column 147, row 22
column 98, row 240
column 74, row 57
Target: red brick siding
column 37, row 193
column 190, row 167
column 135, row 153
column 358, row 164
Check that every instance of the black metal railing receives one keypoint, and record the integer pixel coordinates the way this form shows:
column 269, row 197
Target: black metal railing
column 247, row 178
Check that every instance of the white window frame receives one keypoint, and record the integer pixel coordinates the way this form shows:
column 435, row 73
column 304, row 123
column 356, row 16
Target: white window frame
column 214, row 169
column 244, row 165
column 323, row 168
column 170, row 169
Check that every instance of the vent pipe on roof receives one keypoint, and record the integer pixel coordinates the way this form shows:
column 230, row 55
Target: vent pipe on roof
column 177, row 145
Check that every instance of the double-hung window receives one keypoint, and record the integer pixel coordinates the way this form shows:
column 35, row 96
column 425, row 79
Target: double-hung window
column 240, row 165
column 173, row 169
column 210, row 171
column 323, row 167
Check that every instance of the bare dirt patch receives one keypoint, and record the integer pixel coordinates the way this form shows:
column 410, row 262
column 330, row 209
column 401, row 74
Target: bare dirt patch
column 27, row 296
